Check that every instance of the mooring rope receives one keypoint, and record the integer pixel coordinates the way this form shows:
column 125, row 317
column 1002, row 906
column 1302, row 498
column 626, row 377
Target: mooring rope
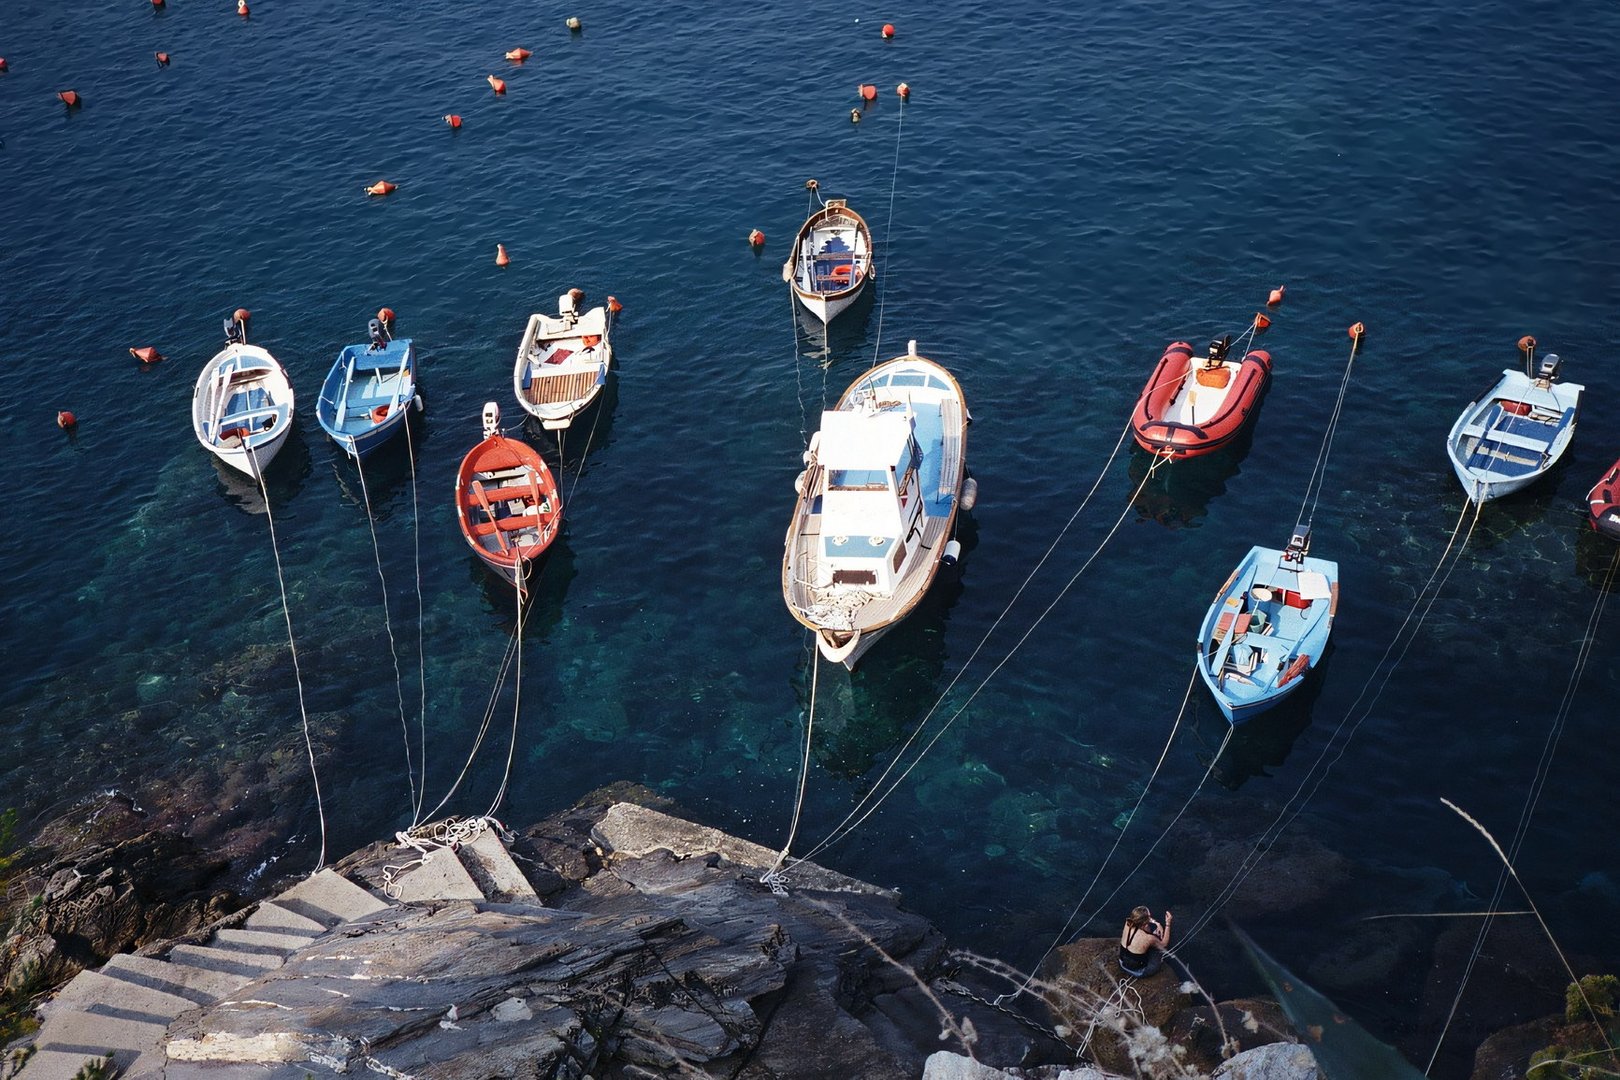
column 888, row 227
column 292, row 647
column 1319, row 470
column 421, row 619
column 773, row 876
column 388, row 624
column 521, row 574
column 1549, row 748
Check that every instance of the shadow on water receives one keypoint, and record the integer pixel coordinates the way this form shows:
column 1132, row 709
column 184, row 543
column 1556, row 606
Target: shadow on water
column 845, row 336
column 387, row 470
column 1263, row 742
column 570, row 451
column 1595, row 556
column 283, row 478
column 1180, row 492
column 549, row 578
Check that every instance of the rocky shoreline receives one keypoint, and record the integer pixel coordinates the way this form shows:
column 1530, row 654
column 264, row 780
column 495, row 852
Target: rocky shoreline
column 611, row 939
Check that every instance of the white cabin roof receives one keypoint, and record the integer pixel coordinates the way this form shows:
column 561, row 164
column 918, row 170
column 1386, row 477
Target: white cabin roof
column 859, row 440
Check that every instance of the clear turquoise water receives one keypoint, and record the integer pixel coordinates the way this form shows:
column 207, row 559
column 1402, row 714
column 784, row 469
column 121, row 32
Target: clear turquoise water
column 1073, row 191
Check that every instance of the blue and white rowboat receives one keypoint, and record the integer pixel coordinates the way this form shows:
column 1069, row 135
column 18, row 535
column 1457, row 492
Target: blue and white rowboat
column 1268, row 627
column 242, row 405
column 369, row 392
column 1506, row 439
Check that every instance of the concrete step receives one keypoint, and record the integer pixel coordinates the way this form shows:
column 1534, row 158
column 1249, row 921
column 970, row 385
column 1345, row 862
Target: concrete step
column 65, row 1064
column 271, row 918
column 193, row 984
column 330, row 898
column 70, row 1029
column 440, row 877
column 491, row 863
column 258, row 941
column 247, row 965
column 90, row 987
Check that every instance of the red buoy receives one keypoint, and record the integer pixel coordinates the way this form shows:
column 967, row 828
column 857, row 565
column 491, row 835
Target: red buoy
column 868, row 92
column 497, row 85
column 888, row 31
column 518, row 55
column 66, row 420
column 242, row 315
column 756, row 239
column 385, row 316
column 157, row 3
column 381, row 187
column 70, row 98
column 1356, row 330
column 452, row 119
column 1527, row 343
column 162, row 58
column 501, row 257
column 613, row 305
column 577, row 296
column 904, row 91
column 242, row 8
column 2, row 63
column 1260, row 321
column 146, row 354
column 1276, row 296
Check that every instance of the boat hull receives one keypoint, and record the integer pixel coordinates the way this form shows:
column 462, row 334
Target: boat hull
column 368, row 394
column 1603, row 503
column 850, row 609
column 1170, row 418
column 831, row 264
column 242, row 408
column 508, row 507
column 1511, row 436
column 1266, row 630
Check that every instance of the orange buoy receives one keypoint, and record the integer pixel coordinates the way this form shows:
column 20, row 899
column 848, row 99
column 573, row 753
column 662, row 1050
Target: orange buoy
column 66, row 420
column 888, row 31
column 381, row 187
column 2, row 63
column 574, row 24
column 756, row 239
column 1276, row 296
column 518, row 54
column 501, row 257
column 1356, row 330
column 1260, row 321
column 70, row 98
column 162, row 58
column 385, row 315
column 1527, row 343
column 613, row 305
column 497, row 85
column 242, row 8
column 379, row 414
column 146, row 354
column 577, row 295
column 452, row 119
column 904, row 90
column 868, row 92
column 242, row 315
column 157, row 3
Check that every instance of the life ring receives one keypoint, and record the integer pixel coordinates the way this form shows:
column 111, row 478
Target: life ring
column 1517, row 408
column 379, row 414
column 842, row 270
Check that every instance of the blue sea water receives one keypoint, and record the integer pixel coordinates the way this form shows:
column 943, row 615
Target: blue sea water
column 1067, row 191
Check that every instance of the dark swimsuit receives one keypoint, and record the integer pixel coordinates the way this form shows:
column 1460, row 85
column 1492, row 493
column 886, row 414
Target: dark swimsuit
column 1139, row 965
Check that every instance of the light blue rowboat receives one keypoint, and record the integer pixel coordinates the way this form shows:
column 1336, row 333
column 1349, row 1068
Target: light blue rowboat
column 369, row 393
column 1268, row 627
column 1513, row 434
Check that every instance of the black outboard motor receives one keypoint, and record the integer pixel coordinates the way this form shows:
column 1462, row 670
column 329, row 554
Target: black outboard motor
column 234, row 332
column 1218, row 348
column 379, row 334
column 1299, row 544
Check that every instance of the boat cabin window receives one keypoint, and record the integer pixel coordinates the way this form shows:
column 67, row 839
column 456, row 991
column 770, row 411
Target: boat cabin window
column 858, row 479
column 854, row 577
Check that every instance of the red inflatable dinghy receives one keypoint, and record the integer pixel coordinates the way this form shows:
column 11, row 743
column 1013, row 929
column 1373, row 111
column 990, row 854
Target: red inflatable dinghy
column 1604, row 503
column 1191, row 407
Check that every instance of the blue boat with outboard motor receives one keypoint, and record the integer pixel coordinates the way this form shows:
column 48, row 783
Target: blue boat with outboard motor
column 370, row 390
column 1513, row 434
column 1268, row 627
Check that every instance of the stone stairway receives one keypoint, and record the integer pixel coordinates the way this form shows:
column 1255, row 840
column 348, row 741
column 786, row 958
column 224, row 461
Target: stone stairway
column 122, row 1012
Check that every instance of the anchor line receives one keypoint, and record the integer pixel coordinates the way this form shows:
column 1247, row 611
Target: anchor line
column 1344, row 732
column 421, row 619
column 773, row 877
column 888, row 226
column 388, row 623
column 517, row 688
column 292, row 647
column 1319, row 470
column 1538, row 782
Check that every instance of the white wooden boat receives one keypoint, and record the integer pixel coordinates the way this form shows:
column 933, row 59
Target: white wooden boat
column 242, row 406
column 831, row 261
column 877, row 503
column 563, row 361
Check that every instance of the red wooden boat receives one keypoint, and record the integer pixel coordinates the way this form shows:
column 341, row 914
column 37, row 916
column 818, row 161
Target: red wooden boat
column 1191, row 407
column 1604, row 503
column 507, row 502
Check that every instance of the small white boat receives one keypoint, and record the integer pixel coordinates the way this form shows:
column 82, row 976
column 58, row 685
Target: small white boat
column 831, row 261
column 1506, row 439
column 242, row 407
column 877, row 503
column 563, row 361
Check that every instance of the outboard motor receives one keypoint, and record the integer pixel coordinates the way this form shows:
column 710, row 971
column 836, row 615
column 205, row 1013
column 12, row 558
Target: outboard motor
column 1218, row 349
column 492, row 419
column 1299, row 544
column 235, row 333
column 379, row 335
column 1547, row 373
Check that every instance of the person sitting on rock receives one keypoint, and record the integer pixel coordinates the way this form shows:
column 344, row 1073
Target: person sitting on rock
column 1142, row 943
